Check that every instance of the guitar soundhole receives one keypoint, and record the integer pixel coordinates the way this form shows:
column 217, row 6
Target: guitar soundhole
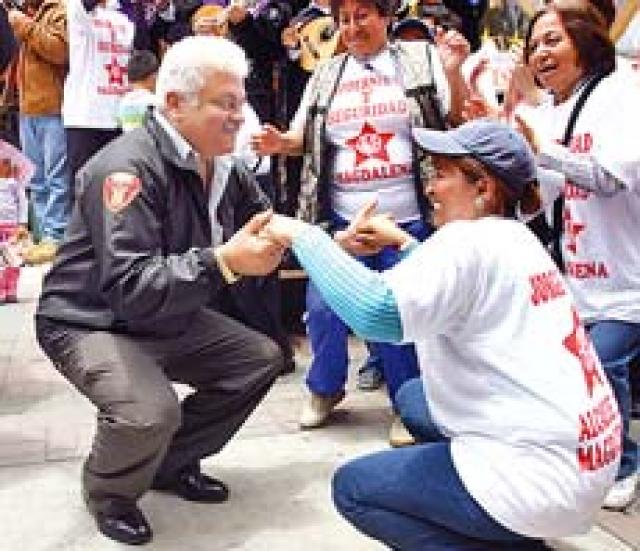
column 327, row 33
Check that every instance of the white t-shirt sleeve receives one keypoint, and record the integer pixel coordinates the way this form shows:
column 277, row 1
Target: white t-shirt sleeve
column 435, row 286
column 617, row 153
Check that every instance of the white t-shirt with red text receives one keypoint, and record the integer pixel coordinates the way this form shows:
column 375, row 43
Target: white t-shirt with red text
column 100, row 43
column 369, row 128
column 510, row 375
column 601, row 238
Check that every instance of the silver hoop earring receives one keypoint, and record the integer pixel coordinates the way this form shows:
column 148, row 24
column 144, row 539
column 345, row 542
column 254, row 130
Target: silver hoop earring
column 479, row 204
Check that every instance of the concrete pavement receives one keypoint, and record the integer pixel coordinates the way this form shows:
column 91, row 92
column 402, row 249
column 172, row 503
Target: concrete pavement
column 278, row 476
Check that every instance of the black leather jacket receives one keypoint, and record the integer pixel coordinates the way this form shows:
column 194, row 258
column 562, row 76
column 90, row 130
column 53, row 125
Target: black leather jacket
column 149, row 267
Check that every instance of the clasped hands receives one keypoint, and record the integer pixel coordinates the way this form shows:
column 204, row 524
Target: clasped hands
column 257, row 248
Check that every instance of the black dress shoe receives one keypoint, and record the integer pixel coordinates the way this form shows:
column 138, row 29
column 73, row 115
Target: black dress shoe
column 126, row 525
column 193, row 485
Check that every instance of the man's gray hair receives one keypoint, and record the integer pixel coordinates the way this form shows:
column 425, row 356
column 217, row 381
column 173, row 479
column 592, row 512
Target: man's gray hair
column 184, row 66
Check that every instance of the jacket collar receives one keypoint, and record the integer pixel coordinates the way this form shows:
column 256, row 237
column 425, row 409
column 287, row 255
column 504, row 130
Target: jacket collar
column 172, row 145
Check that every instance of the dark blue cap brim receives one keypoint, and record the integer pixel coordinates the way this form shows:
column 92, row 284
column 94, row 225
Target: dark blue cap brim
column 438, row 142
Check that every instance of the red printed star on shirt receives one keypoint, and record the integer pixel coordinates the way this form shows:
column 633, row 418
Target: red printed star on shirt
column 572, row 229
column 116, row 72
column 370, row 144
column 579, row 345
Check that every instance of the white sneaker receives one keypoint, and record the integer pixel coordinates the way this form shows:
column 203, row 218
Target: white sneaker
column 622, row 493
column 399, row 436
column 316, row 411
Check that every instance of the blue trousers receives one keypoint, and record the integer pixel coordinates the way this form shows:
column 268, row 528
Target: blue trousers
column 617, row 343
column 43, row 141
column 412, row 498
column 328, row 334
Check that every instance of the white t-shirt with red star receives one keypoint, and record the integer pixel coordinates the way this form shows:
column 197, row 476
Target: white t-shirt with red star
column 368, row 124
column 510, row 375
column 99, row 46
column 601, row 239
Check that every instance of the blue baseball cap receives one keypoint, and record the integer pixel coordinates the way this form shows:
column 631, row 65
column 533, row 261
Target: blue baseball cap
column 502, row 150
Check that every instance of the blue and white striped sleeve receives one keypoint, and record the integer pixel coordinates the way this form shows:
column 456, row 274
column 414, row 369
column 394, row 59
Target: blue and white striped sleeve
column 358, row 295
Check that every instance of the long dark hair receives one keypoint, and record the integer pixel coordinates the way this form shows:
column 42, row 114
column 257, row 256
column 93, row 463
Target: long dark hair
column 587, row 30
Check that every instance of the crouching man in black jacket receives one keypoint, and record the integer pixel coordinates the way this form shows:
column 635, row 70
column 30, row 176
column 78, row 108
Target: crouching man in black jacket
column 123, row 311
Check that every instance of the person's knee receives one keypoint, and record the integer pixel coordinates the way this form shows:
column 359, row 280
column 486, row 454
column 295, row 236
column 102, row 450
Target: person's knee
column 154, row 416
column 344, row 490
column 409, row 399
column 341, row 491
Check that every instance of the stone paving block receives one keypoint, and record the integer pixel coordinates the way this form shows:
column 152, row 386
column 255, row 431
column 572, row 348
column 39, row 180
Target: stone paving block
column 19, row 396
column 596, row 540
column 624, row 526
column 20, row 441
column 64, row 442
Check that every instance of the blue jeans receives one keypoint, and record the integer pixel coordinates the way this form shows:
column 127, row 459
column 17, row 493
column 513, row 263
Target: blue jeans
column 43, row 141
column 617, row 343
column 412, row 498
column 328, row 334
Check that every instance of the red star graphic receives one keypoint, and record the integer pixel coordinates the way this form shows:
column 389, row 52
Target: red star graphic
column 572, row 229
column 370, row 144
column 579, row 345
column 116, row 72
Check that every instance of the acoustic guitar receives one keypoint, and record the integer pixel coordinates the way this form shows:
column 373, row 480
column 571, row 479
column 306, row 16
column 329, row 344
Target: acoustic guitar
column 319, row 40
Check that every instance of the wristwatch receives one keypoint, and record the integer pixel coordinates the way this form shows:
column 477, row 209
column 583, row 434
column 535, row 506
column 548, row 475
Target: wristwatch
column 227, row 274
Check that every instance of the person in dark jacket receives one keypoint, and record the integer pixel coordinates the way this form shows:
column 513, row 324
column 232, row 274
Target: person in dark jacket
column 8, row 46
column 124, row 310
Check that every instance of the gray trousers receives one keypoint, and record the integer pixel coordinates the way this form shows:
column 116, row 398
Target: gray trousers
column 143, row 431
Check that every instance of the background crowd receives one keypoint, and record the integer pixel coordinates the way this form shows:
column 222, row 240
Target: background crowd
column 334, row 91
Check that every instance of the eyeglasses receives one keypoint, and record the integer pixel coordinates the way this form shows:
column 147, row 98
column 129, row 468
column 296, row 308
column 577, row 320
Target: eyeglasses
column 230, row 104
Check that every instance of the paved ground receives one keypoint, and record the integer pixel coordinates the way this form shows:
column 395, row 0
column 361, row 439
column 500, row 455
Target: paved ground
column 279, row 476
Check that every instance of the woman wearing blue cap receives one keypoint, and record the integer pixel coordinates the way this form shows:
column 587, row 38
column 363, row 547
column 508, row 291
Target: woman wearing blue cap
column 519, row 432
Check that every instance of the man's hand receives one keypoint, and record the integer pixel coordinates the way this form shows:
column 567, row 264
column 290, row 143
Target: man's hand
column 250, row 253
column 283, row 229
